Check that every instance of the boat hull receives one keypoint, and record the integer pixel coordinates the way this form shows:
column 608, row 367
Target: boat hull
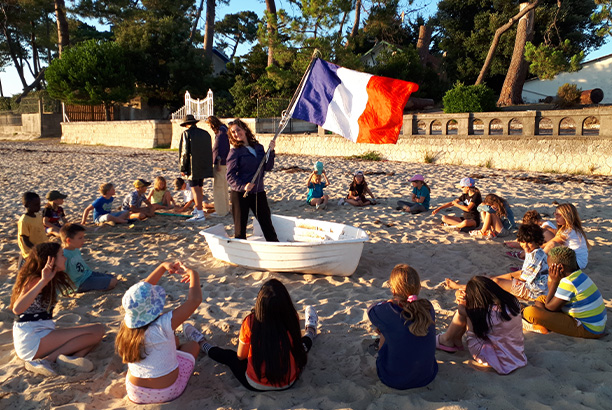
column 307, row 246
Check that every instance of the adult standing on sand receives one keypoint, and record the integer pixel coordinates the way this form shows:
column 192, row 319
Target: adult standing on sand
column 220, row 151
column 242, row 163
column 195, row 160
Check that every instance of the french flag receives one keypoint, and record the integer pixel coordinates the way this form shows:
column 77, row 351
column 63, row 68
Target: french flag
column 361, row 107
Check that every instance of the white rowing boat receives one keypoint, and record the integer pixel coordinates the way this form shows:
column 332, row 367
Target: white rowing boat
column 306, row 246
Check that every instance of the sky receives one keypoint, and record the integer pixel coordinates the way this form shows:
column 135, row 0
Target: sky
column 12, row 85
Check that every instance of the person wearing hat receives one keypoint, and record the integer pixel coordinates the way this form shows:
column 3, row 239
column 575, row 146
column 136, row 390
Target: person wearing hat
column 133, row 201
column 158, row 370
column 53, row 214
column 196, row 161
column 420, row 196
column 315, row 184
column 468, row 202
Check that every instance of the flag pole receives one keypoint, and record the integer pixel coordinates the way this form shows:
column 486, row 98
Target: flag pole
column 286, row 115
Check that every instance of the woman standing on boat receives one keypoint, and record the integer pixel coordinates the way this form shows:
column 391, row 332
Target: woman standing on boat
column 242, row 162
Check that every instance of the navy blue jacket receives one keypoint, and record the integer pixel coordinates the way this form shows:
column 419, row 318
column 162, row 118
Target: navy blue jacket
column 242, row 165
column 221, row 147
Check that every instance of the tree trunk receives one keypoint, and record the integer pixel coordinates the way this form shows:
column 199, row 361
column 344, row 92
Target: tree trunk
column 107, row 113
column 238, row 41
column 512, row 90
column 272, row 27
column 195, row 22
column 342, row 26
column 423, row 43
column 209, row 29
column 11, row 47
column 27, row 88
column 355, row 29
column 63, row 38
column 497, row 36
column 35, row 60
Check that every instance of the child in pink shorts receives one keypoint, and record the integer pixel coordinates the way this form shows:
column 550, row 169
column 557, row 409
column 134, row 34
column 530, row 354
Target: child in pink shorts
column 162, row 374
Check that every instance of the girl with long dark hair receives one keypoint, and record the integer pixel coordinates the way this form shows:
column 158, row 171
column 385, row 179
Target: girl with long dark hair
column 271, row 350
column 490, row 318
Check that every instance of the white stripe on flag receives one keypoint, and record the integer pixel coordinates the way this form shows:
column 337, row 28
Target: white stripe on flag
column 348, row 103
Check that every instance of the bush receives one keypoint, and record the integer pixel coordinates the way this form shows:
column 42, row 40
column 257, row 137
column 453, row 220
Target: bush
column 368, row 156
column 568, row 95
column 469, row 98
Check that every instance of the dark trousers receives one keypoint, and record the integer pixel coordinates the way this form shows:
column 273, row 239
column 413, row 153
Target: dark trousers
column 258, row 203
column 238, row 367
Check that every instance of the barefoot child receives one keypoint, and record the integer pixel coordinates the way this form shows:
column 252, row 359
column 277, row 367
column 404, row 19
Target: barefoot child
column 158, row 367
column 36, row 339
column 84, row 279
column 133, row 202
column 103, row 206
column 468, row 202
column 420, row 196
column 531, row 281
column 357, row 192
column 407, row 350
column 53, row 214
column 490, row 318
column 573, row 307
column 272, row 353
column 160, row 197
column 497, row 218
column 188, row 202
column 30, row 228
column 315, row 196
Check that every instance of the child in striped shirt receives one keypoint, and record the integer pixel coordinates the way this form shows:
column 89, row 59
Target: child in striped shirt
column 573, row 307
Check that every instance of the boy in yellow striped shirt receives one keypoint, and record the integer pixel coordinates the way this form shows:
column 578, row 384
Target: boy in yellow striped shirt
column 573, row 307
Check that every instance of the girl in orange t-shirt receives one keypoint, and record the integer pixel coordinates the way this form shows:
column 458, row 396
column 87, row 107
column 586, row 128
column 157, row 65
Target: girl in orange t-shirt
column 261, row 366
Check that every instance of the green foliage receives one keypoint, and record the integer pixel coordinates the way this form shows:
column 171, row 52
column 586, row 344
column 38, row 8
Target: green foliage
column 466, row 29
column 469, row 98
column 568, row 95
column 603, row 17
column 429, row 157
column 404, row 64
column 368, row 156
column 548, row 61
column 236, row 28
column 93, row 72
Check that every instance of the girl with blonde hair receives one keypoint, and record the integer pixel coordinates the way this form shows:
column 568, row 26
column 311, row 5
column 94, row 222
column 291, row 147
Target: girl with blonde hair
column 570, row 233
column 406, row 356
column 159, row 196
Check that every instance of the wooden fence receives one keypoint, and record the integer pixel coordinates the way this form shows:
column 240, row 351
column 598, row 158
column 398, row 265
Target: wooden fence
column 79, row 113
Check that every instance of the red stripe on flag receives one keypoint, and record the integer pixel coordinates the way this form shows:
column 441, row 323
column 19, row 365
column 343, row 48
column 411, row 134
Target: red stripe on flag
column 383, row 116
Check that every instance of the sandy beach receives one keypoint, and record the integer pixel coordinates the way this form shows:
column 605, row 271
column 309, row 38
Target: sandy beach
column 563, row 373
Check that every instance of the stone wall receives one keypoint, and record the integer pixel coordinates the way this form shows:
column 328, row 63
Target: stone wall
column 30, row 126
column 134, row 134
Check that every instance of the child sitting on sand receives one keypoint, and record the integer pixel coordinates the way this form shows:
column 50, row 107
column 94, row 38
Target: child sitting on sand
column 272, row 352
column 573, row 307
column 103, row 206
column 532, row 216
column 357, row 192
column 490, row 318
column 160, row 197
column 468, row 202
column 53, row 214
column 84, row 279
column 497, row 218
column 420, row 196
column 315, row 196
column 188, row 202
column 158, row 367
column 570, row 234
column 133, row 201
column 30, row 228
column 531, row 281
column 407, row 350
column 36, row 339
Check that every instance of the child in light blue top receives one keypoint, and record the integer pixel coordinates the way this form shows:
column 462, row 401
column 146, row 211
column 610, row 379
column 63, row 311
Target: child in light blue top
column 420, row 196
column 315, row 196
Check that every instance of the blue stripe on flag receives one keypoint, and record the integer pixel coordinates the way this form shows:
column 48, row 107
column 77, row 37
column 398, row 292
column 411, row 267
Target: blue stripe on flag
column 317, row 93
